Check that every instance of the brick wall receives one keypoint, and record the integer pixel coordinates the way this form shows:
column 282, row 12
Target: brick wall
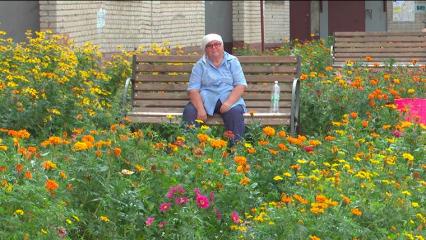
column 246, row 21
column 415, row 26
column 277, row 21
column 127, row 23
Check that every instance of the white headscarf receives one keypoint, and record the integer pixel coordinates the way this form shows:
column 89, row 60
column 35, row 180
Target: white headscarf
column 210, row 37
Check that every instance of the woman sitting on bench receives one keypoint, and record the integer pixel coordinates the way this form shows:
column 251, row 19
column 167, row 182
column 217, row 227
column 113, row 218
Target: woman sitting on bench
column 216, row 85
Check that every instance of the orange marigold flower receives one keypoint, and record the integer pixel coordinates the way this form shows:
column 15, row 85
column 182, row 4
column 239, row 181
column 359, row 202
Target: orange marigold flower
column 313, row 237
column 51, row 185
column 268, row 131
column 117, row 151
column 286, row 199
column 364, row 123
column 300, row 199
column 245, row 181
column 282, row 146
column 28, row 175
column 329, row 138
column 63, row 175
column 19, row 167
column 356, row 211
column 251, row 150
column 282, row 134
column 202, row 137
column 217, row 143
column 88, row 138
column 240, row 160
column 263, row 142
column 48, row 165
column 346, row 200
column 354, row 115
column 272, row 151
column 320, row 198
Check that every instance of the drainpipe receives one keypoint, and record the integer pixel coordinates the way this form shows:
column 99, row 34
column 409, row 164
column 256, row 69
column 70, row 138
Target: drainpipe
column 262, row 32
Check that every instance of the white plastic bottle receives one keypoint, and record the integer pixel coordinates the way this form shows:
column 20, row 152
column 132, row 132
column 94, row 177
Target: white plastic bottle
column 275, row 98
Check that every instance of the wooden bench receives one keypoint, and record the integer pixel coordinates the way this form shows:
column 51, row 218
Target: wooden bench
column 159, row 83
column 402, row 47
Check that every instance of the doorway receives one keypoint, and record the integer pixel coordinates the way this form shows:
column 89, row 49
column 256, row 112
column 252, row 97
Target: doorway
column 346, row 16
column 218, row 16
column 300, row 20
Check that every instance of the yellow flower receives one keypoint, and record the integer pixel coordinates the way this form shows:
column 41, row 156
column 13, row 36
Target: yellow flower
column 287, row 174
column 76, row 218
column 19, row 212
column 415, row 205
column 278, row 178
column 408, row 156
column 3, row 148
column 204, row 127
column 169, row 116
column 411, row 91
column 104, row 218
column 406, row 193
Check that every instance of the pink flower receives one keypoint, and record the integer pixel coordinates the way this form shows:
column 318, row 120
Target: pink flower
column 149, row 221
column 201, row 200
column 181, row 200
column 218, row 214
column 396, row 133
column 162, row 224
column 235, row 217
column 175, row 189
column 165, row 206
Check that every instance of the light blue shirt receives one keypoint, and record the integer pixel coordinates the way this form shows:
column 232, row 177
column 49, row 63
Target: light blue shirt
column 217, row 83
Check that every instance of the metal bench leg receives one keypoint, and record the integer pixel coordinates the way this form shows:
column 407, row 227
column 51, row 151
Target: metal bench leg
column 124, row 98
column 295, row 104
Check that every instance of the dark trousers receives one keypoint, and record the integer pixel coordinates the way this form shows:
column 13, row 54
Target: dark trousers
column 233, row 119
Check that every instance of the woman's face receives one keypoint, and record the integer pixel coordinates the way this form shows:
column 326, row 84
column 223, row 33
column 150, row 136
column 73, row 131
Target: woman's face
column 214, row 49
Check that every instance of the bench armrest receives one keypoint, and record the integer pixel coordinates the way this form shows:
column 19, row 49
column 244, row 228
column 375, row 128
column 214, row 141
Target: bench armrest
column 295, row 104
column 124, row 98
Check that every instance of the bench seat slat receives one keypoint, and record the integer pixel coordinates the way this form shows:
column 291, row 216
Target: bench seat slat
column 181, row 103
column 266, row 119
column 184, row 96
column 180, row 109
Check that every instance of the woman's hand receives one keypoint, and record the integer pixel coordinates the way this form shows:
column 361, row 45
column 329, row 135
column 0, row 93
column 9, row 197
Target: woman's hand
column 224, row 108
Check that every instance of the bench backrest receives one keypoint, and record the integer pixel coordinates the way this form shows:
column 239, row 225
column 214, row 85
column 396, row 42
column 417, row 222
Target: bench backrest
column 403, row 47
column 160, row 82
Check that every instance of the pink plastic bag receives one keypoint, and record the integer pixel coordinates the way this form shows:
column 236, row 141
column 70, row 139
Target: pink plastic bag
column 414, row 108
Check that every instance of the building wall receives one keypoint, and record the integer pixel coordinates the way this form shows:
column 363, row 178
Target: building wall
column 277, row 21
column 127, row 23
column 16, row 17
column 415, row 26
column 246, row 22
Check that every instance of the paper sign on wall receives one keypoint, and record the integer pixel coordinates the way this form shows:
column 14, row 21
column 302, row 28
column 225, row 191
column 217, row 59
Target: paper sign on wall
column 403, row 11
column 100, row 18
